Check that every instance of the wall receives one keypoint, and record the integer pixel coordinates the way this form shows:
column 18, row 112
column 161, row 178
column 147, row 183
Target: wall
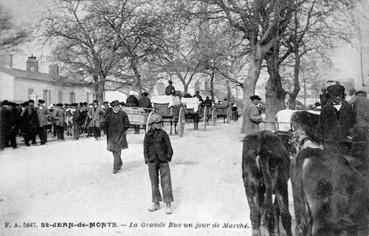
column 22, row 87
column 6, row 87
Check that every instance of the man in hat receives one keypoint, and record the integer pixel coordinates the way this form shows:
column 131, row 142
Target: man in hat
column 170, row 90
column 59, row 121
column 116, row 124
column 132, row 101
column 144, row 100
column 44, row 118
column 158, row 152
column 76, row 116
column 83, row 118
column 252, row 117
column 198, row 96
column 336, row 118
column 96, row 114
column 30, row 122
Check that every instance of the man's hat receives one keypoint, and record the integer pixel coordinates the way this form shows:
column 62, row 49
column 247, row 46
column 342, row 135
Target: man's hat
column 114, row 103
column 31, row 101
column 59, row 104
column 145, row 94
column 41, row 101
column 336, row 90
column 24, row 104
column 74, row 104
column 85, row 104
column 106, row 102
column 4, row 103
column 255, row 97
column 122, row 104
column 155, row 118
column 95, row 101
column 171, row 82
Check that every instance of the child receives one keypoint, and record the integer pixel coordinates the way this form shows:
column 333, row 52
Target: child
column 158, row 152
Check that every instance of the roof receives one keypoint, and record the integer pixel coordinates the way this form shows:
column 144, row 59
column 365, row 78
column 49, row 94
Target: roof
column 18, row 73
column 27, row 74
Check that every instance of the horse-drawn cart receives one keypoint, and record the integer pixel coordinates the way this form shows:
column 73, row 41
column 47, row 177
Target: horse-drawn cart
column 224, row 111
column 171, row 110
column 138, row 116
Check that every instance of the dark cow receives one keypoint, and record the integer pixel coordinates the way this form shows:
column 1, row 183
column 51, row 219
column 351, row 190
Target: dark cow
column 331, row 190
column 265, row 171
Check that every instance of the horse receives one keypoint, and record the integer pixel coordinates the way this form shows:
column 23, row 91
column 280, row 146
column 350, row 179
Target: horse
column 265, row 171
column 330, row 189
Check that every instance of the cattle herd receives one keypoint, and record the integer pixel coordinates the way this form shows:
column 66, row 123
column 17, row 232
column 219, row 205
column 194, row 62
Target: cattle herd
column 330, row 189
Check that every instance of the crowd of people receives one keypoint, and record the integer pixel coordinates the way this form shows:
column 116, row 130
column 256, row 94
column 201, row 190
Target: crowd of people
column 34, row 121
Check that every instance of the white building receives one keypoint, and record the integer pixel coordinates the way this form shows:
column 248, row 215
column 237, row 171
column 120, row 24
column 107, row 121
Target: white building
column 21, row 85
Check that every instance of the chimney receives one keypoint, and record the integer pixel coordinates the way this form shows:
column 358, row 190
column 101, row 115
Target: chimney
column 6, row 60
column 54, row 70
column 32, row 64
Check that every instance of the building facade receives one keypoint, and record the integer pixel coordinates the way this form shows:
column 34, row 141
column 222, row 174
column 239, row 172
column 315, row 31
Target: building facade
column 21, row 85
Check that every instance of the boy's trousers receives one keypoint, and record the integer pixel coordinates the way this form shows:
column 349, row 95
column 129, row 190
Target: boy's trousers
column 165, row 180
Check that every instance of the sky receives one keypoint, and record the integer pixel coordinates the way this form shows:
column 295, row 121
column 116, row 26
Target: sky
column 346, row 59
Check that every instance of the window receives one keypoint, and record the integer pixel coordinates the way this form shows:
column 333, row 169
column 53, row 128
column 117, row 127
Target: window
column 30, row 92
column 45, row 95
column 88, row 97
column 72, row 97
column 60, row 96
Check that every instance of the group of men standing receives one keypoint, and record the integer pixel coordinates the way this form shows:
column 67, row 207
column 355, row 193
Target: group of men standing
column 337, row 116
column 31, row 121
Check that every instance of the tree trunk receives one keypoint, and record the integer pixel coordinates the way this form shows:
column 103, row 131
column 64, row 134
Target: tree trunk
column 296, row 84
column 138, row 76
column 185, row 88
column 229, row 92
column 274, row 95
column 99, row 89
column 296, row 78
column 250, row 83
column 212, row 84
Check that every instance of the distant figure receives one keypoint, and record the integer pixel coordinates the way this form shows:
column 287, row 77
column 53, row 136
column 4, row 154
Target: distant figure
column 132, row 101
column 59, row 119
column 252, row 115
column 170, row 90
column 76, row 120
column 234, row 112
column 207, row 102
column 44, row 117
column 197, row 95
column 144, row 101
column 96, row 114
column 361, row 107
column 30, row 122
column 187, row 95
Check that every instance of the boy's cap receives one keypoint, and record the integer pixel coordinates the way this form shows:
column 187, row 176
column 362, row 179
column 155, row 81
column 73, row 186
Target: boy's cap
column 155, row 118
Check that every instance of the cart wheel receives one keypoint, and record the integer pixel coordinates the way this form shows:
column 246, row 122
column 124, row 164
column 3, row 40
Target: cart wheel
column 182, row 121
column 147, row 122
column 214, row 116
column 229, row 114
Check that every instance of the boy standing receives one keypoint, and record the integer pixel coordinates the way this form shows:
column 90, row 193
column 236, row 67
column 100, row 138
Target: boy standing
column 158, row 152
